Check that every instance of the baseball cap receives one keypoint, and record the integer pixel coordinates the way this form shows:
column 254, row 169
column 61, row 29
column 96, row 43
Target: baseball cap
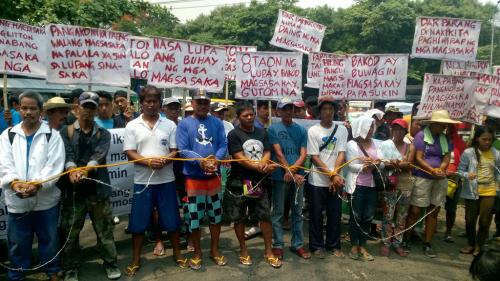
column 217, row 106
column 88, row 97
column 167, row 101
column 299, row 103
column 393, row 108
column 326, row 100
column 284, row 102
column 401, row 122
column 201, row 94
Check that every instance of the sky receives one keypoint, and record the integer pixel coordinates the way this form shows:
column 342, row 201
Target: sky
column 189, row 9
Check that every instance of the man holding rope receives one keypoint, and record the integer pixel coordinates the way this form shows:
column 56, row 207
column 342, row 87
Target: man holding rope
column 31, row 152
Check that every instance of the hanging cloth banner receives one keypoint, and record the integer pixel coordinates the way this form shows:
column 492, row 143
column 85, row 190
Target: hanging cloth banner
column 183, row 64
column 268, row 75
column 297, row 33
column 23, row 49
column 446, row 38
column 83, row 55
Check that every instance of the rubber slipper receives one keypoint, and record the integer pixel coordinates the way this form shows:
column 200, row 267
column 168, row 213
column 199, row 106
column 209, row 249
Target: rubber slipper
column 219, row 260
column 132, row 269
column 158, row 252
column 275, row 262
column 246, row 260
column 182, row 263
column 195, row 263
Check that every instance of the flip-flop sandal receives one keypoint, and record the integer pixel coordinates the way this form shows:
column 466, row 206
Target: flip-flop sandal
column 159, row 253
column 273, row 261
column 182, row 263
column 338, row 254
column 220, row 260
column 132, row 269
column 467, row 251
column 246, row 260
column 194, row 263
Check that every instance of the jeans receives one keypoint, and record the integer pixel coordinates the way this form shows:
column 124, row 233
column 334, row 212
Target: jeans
column 321, row 199
column 282, row 190
column 20, row 231
column 363, row 204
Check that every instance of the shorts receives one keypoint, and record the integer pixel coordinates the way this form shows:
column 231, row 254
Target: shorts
column 428, row 192
column 236, row 205
column 163, row 197
column 201, row 204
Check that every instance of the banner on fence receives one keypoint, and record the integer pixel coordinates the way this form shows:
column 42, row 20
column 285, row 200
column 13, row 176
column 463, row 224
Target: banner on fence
column 230, row 68
column 446, row 38
column 332, row 78
column 139, row 57
column 297, row 33
column 315, row 68
column 23, row 49
column 268, row 75
column 461, row 68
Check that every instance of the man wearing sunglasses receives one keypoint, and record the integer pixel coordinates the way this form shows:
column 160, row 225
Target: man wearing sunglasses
column 86, row 146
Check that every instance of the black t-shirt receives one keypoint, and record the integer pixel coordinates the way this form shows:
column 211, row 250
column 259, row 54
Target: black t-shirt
column 253, row 146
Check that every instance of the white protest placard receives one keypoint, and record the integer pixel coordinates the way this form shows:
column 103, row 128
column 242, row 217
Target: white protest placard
column 139, row 57
column 332, row 78
column 446, row 38
column 183, row 64
column 376, row 77
column 315, row 68
column 493, row 108
column 23, row 49
column 460, row 68
column 230, row 68
column 268, row 75
column 83, row 55
column 297, row 33
column 452, row 93
column 496, row 70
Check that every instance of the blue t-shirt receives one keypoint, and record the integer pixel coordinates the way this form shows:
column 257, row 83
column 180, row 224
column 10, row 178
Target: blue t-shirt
column 29, row 140
column 16, row 119
column 291, row 139
column 199, row 138
column 105, row 123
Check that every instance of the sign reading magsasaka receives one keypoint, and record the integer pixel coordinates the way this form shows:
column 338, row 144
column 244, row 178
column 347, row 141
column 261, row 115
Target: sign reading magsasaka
column 83, row 55
column 461, row 68
column 453, row 93
column 139, row 57
column 22, row 49
column 297, row 33
column 332, row 78
column 315, row 68
column 446, row 38
column 230, row 68
column 184, row 64
column 268, row 75
column 376, row 77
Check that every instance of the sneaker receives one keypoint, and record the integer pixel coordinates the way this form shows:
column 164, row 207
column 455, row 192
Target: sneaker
column 429, row 252
column 116, row 220
column 71, row 275
column 448, row 239
column 319, row 253
column 112, row 272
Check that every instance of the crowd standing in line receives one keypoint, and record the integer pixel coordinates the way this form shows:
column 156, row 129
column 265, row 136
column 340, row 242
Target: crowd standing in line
column 381, row 160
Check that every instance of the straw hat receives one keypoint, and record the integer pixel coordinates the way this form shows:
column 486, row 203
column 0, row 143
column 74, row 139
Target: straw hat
column 440, row 116
column 56, row 102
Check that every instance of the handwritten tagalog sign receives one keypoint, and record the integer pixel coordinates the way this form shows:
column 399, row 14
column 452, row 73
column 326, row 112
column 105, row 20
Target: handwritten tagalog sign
column 268, row 75
column 315, row 68
column 22, row 49
column 462, row 67
column 446, row 38
column 496, row 70
column 230, row 68
column 139, row 57
column 332, row 78
column 82, row 55
column 296, row 33
column 453, row 93
column 376, row 77
column 184, row 64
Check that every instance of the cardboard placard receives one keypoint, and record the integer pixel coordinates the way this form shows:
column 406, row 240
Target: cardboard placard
column 460, row 68
column 332, row 81
column 139, row 57
column 315, row 68
column 230, row 68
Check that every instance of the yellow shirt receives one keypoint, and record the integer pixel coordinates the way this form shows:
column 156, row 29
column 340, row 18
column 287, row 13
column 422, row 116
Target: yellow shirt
column 486, row 175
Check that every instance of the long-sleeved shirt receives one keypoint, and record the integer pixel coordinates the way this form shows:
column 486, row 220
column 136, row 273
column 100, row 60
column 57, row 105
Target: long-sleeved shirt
column 44, row 160
column 199, row 138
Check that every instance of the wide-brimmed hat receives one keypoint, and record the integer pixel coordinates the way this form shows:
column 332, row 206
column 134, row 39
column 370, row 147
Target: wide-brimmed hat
column 56, row 102
column 440, row 116
column 394, row 109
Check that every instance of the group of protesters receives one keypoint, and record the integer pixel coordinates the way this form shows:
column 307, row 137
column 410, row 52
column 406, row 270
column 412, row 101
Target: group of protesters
column 53, row 173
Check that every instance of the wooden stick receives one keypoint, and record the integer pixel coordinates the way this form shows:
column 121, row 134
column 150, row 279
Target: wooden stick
column 270, row 112
column 227, row 93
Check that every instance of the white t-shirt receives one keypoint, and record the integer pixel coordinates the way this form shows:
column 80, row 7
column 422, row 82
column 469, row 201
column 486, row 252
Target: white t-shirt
column 228, row 127
column 316, row 137
column 151, row 142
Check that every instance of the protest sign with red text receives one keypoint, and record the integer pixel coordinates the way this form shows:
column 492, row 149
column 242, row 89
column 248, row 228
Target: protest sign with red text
column 230, row 68
column 268, row 75
column 332, row 83
column 23, row 49
column 139, row 57
column 496, row 70
column 184, row 64
column 461, row 68
column 376, row 77
column 83, row 55
column 297, row 33
column 446, row 38
column 315, row 68
column 452, row 93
